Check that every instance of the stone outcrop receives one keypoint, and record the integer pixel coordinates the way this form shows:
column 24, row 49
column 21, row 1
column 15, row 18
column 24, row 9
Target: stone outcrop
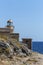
column 10, row 48
column 14, row 53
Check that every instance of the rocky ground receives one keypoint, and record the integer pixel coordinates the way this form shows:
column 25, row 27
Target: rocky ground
column 34, row 59
column 17, row 54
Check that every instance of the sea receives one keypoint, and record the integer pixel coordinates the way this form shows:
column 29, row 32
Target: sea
column 37, row 47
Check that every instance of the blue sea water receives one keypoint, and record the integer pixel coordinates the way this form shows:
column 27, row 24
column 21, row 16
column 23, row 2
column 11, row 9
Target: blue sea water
column 37, row 46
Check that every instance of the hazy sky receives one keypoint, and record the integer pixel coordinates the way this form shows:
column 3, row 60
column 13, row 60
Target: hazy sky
column 27, row 16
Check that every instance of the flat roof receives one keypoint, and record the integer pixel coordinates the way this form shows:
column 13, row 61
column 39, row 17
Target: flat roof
column 14, row 33
column 26, row 38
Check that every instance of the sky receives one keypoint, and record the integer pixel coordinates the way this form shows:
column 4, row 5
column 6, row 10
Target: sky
column 27, row 16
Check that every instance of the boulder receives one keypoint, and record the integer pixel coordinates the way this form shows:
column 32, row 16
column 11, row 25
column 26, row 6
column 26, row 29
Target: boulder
column 6, row 49
column 26, row 50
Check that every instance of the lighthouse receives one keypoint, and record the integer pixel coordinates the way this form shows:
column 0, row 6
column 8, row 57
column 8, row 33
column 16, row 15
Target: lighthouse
column 10, row 25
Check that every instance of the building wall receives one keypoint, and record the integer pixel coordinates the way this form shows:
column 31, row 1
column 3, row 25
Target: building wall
column 15, row 36
column 27, row 41
column 4, row 35
column 9, row 35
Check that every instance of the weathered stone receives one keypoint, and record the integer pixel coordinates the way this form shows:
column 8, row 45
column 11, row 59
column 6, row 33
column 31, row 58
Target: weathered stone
column 26, row 50
column 22, row 55
column 6, row 49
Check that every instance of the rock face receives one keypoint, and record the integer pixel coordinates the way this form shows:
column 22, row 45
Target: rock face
column 5, row 48
column 10, row 48
column 14, row 53
column 26, row 50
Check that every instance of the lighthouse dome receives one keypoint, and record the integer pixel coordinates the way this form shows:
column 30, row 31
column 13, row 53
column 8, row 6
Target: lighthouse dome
column 10, row 21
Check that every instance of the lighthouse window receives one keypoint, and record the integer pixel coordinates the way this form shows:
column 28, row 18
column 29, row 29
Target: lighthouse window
column 9, row 24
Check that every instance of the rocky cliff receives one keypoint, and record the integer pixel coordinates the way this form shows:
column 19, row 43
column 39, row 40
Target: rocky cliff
column 14, row 53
